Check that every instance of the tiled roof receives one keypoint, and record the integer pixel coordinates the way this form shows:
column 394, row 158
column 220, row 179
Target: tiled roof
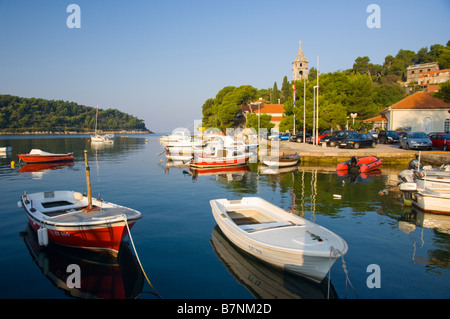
column 379, row 118
column 433, row 73
column 270, row 108
column 419, row 100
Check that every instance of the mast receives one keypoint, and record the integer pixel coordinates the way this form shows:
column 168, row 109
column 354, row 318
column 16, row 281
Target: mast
column 96, row 114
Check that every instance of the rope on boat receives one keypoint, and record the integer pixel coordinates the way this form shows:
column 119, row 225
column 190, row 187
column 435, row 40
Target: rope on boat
column 344, row 266
column 137, row 257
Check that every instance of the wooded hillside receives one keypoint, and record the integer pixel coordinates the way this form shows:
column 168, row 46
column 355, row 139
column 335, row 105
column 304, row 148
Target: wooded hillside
column 18, row 115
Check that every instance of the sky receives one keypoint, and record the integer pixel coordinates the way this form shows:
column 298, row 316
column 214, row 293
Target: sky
column 161, row 60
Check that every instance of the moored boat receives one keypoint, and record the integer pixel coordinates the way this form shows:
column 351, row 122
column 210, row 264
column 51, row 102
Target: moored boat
column 220, row 158
column 66, row 219
column 282, row 160
column 277, row 237
column 106, row 138
column 362, row 164
column 39, row 156
column 69, row 218
column 5, row 149
column 432, row 201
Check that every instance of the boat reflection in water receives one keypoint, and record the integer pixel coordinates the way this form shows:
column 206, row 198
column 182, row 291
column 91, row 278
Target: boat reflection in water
column 101, row 276
column 261, row 279
column 43, row 167
column 229, row 173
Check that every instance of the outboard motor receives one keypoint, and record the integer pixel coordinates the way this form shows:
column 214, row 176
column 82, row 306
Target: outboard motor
column 415, row 164
column 353, row 166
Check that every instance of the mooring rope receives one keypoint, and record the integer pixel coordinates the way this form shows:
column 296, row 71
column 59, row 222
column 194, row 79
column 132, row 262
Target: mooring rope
column 137, row 257
column 344, row 266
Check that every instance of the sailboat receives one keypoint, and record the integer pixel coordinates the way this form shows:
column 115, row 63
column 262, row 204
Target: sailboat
column 97, row 138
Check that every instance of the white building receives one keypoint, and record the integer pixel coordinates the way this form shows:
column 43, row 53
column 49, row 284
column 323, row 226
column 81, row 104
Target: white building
column 418, row 112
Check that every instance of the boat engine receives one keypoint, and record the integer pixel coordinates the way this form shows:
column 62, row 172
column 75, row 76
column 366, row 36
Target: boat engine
column 415, row 164
column 353, row 166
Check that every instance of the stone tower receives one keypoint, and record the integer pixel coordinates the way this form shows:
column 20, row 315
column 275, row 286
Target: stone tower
column 300, row 65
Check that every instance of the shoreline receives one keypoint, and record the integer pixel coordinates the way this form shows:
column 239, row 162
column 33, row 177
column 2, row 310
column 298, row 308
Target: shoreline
column 390, row 154
column 76, row 133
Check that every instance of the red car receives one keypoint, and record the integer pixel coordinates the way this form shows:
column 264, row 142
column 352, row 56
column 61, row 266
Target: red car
column 440, row 140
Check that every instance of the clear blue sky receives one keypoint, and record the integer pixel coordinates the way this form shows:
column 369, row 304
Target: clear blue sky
column 161, row 60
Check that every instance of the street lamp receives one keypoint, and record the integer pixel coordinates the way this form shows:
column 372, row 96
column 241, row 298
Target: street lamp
column 304, row 109
column 353, row 115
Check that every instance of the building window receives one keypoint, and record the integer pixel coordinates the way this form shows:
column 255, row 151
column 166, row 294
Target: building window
column 447, row 125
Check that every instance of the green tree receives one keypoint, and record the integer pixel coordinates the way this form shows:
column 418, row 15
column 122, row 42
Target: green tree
column 285, row 90
column 444, row 92
column 275, row 94
column 264, row 121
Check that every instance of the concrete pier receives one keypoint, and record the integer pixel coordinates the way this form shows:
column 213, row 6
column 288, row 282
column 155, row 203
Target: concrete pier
column 390, row 154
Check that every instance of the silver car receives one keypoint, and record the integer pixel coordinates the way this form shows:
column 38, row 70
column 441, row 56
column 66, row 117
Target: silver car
column 414, row 140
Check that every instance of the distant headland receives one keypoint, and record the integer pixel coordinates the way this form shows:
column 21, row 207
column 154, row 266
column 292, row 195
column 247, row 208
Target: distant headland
column 20, row 115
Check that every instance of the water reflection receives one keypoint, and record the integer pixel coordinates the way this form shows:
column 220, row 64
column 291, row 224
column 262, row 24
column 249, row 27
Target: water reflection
column 39, row 169
column 262, row 280
column 101, row 277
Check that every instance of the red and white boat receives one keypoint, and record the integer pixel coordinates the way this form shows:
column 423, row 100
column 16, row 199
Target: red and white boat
column 363, row 164
column 63, row 218
column 220, row 158
column 39, row 156
column 72, row 219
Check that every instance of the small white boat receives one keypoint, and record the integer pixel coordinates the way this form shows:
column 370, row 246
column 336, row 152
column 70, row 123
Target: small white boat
column 106, row 138
column 413, row 180
column 228, row 142
column 277, row 237
column 432, row 201
column 5, row 149
column 177, row 135
column 182, row 150
column 282, row 160
column 98, row 138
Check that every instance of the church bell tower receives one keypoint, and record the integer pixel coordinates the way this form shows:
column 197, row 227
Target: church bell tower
column 300, row 66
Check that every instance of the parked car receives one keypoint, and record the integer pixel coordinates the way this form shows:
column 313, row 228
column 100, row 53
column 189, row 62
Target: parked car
column 440, row 140
column 335, row 138
column 417, row 140
column 318, row 138
column 279, row 137
column 357, row 140
column 299, row 137
column 388, row 137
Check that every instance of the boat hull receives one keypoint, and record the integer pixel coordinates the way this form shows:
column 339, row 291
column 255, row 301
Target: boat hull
column 97, row 230
column 309, row 263
column 202, row 161
column 431, row 203
column 35, row 158
column 364, row 164
column 282, row 161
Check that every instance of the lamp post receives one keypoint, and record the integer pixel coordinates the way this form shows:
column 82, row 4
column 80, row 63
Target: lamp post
column 353, row 115
column 293, row 109
column 316, row 115
column 304, row 110
column 317, row 126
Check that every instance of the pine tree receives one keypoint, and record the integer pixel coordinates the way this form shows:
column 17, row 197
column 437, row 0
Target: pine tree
column 285, row 90
column 275, row 94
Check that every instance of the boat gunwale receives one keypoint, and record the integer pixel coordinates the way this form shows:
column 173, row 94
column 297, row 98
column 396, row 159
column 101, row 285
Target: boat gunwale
column 42, row 218
column 233, row 227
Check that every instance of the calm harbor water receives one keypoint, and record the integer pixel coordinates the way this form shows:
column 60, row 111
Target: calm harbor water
column 185, row 255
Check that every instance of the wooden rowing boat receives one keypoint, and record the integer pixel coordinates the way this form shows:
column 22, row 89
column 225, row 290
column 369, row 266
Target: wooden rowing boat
column 277, row 237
